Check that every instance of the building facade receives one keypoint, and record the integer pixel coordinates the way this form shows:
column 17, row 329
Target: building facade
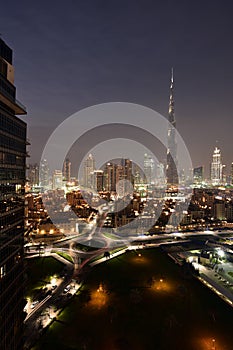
column 12, row 183
column 88, row 168
column 67, row 170
column 44, row 180
column 57, row 180
column 216, row 167
column 198, row 175
column 149, row 169
column 171, row 169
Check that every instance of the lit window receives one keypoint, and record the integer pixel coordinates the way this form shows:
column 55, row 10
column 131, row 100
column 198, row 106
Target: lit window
column 2, row 271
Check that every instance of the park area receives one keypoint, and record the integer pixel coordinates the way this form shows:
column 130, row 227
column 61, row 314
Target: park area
column 39, row 273
column 141, row 300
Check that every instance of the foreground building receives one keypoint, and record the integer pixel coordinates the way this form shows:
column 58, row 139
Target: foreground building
column 12, row 183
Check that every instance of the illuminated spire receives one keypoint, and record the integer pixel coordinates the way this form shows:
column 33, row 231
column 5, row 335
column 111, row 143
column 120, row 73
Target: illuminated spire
column 172, row 176
column 171, row 101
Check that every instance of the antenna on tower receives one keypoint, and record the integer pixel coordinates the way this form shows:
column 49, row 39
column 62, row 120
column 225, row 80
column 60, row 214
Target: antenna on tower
column 172, row 75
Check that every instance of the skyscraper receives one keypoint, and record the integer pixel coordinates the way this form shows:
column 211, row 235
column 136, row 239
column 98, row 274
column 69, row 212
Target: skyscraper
column 216, row 168
column 110, row 177
column 33, row 174
column 89, row 167
column 57, row 180
column 149, row 169
column 66, row 170
column 198, row 175
column 98, row 180
column 124, row 177
column 12, row 184
column 118, row 175
column 44, row 175
column 171, row 170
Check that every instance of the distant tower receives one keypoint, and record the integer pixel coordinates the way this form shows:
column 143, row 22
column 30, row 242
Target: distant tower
column 198, row 175
column 149, row 169
column 216, row 167
column 44, row 174
column 171, row 171
column 97, row 180
column 67, row 170
column 33, row 174
column 110, row 177
column 57, row 179
column 89, row 167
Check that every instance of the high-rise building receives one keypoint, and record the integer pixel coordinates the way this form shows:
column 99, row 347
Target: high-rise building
column 115, row 173
column 57, row 179
column 44, row 175
column 171, row 170
column 12, row 183
column 124, row 177
column 67, row 170
column 216, row 167
column 89, row 167
column 137, row 174
column 149, row 169
column 33, row 174
column 160, row 178
column 110, row 177
column 97, row 180
column 198, row 175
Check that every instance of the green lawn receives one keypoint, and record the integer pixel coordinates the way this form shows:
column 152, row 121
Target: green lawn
column 65, row 256
column 39, row 271
column 139, row 312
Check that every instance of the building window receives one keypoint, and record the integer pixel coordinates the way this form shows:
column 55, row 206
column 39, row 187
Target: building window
column 2, row 271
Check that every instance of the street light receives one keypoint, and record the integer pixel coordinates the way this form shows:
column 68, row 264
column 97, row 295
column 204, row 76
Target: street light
column 53, row 281
column 213, row 344
column 221, row 253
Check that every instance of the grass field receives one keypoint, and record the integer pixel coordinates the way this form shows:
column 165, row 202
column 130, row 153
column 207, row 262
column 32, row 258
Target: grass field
column 141, row 303
column 65, row 256
column 39, row 271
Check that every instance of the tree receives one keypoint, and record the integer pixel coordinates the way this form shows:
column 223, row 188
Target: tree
column 107, row 255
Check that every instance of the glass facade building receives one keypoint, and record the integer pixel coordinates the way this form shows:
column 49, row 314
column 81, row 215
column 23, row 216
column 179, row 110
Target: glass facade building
column 12, row 184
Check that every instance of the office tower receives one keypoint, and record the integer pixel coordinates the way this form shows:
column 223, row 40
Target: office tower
column 171, row 171
column 88, row 168
column 12, row 183
column 97, row 180
column 128, row 172
column 44, row 175
column 33, row 174
column 160, row 177
column 216, row 167
column 198, row 175
column 110, row 177
column 115, row 174
column 57, row 180
column 66, row 170
column 149, row 169
column 123, row 177
column 219, row 210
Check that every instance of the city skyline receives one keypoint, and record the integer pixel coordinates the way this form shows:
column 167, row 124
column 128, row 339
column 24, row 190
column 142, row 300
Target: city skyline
column 96, row 71
column 119, row 217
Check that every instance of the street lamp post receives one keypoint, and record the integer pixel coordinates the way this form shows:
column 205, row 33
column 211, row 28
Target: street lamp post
column 213, row 344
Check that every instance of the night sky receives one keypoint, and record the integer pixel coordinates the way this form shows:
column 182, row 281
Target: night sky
column 73, row 54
